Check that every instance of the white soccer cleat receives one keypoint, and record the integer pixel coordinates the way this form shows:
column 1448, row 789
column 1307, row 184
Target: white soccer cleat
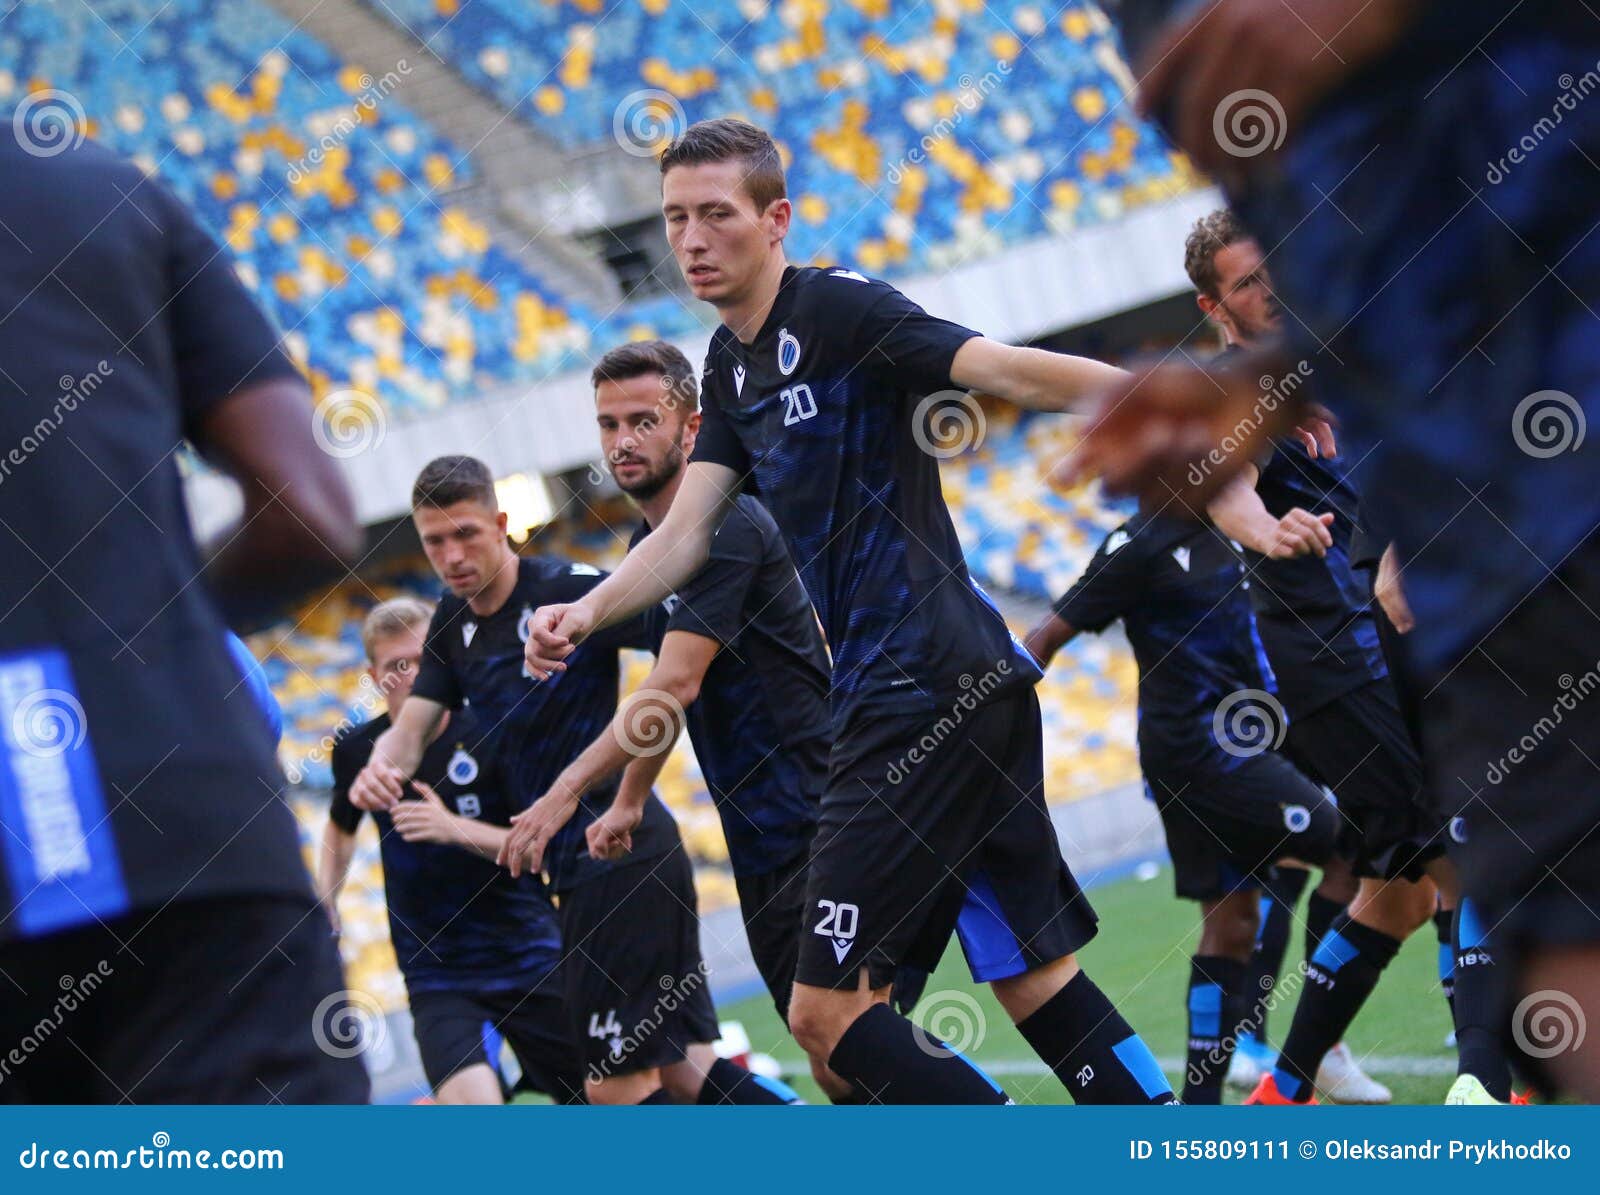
column 1251, row 1059
column 1341, row 1079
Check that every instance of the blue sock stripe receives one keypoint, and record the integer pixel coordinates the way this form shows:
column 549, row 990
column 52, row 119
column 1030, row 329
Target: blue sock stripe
column 1205, row 1010
column 1288, row 1086
column 1471, row 931
column 1263, row 911
column 777, row 1087
column 1334, row 951
column 1447, row 963
column 491, row 1046
column 1139, row 1062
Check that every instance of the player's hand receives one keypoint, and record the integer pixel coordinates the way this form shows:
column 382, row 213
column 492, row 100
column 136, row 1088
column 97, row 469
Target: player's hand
column 552, row 636
column 1316, row 432
column 1182, row 430
column 532, row 830
column 1390, row 594
column 380, row 785
column 611, row 834
column 1295, row 53
column 1301, row 533
column 427, row 820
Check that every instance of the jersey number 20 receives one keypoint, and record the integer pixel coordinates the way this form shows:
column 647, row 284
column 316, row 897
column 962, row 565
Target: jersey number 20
column 798, row 404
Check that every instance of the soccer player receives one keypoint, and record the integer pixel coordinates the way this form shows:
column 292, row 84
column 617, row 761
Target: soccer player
column 739, row 656
column 1458, row 319
column 1230, row 805
column 146, row 853
column 478, row 949
column 635, row 984
column 935, row 788
column 1345, row 726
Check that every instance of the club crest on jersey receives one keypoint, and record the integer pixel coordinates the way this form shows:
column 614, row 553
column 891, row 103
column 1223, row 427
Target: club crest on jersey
column 788, row 352
column 1296, row 818
column 1181, row 555
column 738, row 379
column 525, row 623
column 462, row 769
column 468, row 630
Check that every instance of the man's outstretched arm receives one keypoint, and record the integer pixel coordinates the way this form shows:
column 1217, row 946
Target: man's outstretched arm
column 661, row 562
column 1031, row 378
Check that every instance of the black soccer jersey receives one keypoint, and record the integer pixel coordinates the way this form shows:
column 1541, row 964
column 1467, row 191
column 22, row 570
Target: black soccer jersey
column 137, row 768
column 1181, row 593
column 820, row 415
column 535, row 729
column 760, row 725
column 1314, row 612
column 457, row 920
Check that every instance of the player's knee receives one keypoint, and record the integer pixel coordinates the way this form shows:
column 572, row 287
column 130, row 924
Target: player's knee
column 818, row 1019
column 1228, row 927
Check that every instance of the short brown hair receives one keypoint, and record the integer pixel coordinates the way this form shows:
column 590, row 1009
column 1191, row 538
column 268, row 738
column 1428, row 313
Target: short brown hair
column 727, row 139
column 1210, row 234
column 640, row 358
column 393, row 617
column 446, row 480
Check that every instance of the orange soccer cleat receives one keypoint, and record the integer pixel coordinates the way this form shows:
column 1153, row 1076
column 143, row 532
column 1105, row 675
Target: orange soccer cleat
column 1268, row 1095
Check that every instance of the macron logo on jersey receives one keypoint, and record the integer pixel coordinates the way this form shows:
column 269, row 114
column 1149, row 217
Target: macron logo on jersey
column 1118, row 539
column 468, row 630
column 850, row 274
column 1181, row 555
column 738, row 380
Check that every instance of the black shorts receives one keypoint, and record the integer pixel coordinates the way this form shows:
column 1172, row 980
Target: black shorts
column 638, row 994
column 455, row 1030
column 1226, row 828
column 1358, row 746
column 236, row 1000
column 921, row 817
column 1513, row 743
column 773, row 906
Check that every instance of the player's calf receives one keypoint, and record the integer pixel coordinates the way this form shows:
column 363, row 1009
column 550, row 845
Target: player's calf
column 1081, row 1036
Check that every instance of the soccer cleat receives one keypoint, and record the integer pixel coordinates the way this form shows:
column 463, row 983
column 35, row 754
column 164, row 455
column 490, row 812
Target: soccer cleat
column 1522, row 1097
column 1343, row 1081
column 1468, row 1090
column 1251, row 1059
column 1267, row 1095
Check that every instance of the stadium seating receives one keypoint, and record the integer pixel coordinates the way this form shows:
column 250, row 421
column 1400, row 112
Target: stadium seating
column 916, row 134
column 341, row 208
